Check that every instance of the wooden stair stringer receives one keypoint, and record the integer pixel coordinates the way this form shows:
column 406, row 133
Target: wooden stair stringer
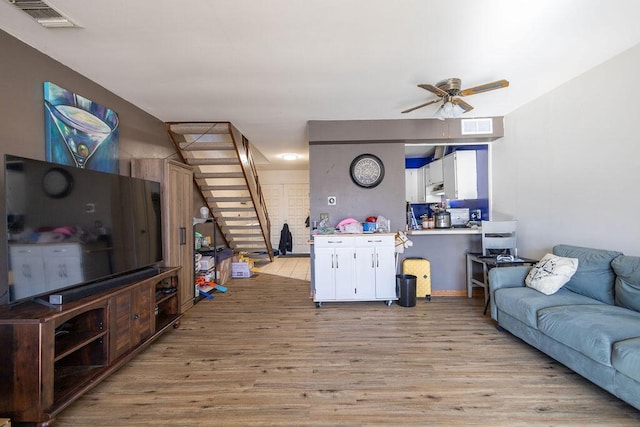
column 226, row 176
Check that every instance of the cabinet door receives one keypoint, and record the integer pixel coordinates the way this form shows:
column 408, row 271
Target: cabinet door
column 130, row 319
column 411, row 185
column 460, row 175
column 180, row 250
column 449, row 175
column 365, row 273
column 324, row 275
column 344, row 273
column 385, row 272
column 415, row 189
column 435, row 172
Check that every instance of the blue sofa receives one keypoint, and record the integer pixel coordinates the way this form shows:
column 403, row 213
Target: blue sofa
column 591, row 325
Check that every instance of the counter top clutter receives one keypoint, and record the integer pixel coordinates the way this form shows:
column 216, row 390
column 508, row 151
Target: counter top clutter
column 587, row 318
column 372, row 224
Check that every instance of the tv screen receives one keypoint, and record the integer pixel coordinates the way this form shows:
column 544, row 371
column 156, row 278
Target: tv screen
column 68, row 226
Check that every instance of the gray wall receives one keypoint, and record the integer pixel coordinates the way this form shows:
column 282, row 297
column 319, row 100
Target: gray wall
column 567, row 169
column 22, row 74
column 329, row 176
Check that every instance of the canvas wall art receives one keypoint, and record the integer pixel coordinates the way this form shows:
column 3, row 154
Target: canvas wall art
column 79, row 132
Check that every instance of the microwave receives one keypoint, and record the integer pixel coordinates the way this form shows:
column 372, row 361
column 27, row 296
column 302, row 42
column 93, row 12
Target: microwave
column 459, row 216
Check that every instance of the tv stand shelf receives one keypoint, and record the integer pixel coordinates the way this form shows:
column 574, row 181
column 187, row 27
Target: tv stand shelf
column 54, row 355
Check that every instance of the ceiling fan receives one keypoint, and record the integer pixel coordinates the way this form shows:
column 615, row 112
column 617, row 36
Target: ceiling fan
column 449, row 91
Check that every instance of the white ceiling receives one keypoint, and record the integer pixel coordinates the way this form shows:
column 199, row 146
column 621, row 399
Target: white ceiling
column 268, row 66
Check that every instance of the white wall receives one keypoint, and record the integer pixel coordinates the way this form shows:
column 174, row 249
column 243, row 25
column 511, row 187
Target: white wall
column 569, row 168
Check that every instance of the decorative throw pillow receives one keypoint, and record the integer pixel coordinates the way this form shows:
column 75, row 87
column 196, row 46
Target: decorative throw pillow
column 551, row 273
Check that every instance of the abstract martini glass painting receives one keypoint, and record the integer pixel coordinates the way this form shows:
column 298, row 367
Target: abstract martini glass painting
column 79, row 132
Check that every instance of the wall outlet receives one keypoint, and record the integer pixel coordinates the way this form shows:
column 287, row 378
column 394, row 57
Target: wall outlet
column 332, row 200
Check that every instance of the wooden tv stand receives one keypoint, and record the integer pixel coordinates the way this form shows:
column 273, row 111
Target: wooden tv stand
column 51, row 356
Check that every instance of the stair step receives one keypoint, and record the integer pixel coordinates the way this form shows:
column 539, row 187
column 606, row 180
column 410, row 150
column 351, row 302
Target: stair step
column 214, row 162
column 247, row 243
column 185, row 128
column 207, row 146
column 238, row 218
column 229, row 199
column 213, row 175
column 236, row 235
column 238, row 228
column 224, row 187
column 226, row 209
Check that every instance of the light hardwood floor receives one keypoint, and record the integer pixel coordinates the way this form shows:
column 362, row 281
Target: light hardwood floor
column 262, row 354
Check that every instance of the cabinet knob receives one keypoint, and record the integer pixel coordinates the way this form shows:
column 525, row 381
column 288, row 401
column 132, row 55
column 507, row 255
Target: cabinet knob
column 136, row 316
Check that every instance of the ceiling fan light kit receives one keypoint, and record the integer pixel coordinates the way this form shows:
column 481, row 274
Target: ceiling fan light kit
column 449, row 93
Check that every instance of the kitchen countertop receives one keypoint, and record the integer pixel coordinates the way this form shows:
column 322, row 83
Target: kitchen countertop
column 444, row 231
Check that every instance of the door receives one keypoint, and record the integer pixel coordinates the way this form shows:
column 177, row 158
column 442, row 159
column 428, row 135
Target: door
column 288, row 203
column 297, row 211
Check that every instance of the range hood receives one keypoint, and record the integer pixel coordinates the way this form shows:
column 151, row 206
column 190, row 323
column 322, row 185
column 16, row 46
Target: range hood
column 438, row 190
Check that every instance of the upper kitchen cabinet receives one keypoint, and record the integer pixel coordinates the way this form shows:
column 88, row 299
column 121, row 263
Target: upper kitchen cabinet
column 414, row 185
column 434, row 175
column 460, row 175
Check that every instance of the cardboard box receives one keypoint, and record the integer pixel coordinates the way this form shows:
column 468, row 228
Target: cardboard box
column 206, row 263
column 240, row 270
column 224, row 271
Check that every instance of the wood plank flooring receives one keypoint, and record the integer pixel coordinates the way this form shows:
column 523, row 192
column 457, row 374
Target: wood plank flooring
column 262, row 354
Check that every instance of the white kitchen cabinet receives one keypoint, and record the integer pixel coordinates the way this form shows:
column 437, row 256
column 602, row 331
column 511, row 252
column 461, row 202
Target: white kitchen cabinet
column 375, row 267
column 435, row 175
column 460, row 175
column 334, row 265
column 354, row 268
column 415, row 185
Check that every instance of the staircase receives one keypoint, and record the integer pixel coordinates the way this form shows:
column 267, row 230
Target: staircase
column 225, row 172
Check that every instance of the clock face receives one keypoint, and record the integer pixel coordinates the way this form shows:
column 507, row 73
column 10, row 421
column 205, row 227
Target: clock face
column 367, row 170
column 57, row 183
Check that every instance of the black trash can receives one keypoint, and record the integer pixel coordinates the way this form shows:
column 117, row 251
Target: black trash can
column 406, row 289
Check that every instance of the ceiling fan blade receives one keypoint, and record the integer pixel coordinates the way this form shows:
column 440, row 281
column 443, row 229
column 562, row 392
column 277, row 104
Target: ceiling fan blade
column 484, row 88
column 421, row 105
column 462, row 104
column 433, row 89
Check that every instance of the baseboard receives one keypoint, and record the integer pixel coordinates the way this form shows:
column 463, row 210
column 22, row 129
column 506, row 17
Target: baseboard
column 456, row 293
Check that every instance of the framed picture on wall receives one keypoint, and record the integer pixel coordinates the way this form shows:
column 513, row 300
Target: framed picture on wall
column 79, row 132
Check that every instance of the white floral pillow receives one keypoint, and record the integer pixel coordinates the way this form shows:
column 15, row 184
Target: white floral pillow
column 551, row 273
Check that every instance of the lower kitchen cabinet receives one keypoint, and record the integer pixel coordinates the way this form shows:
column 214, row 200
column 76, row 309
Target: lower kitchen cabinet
column 354, row 268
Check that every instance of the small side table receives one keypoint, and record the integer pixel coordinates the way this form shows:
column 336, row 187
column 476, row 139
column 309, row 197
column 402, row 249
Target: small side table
column 488, row 262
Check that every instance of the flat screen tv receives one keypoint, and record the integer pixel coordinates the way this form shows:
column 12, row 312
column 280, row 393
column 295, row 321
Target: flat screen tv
column 70, row 228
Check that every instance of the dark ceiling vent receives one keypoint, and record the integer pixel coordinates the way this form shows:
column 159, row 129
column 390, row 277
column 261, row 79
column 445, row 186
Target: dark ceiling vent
column 43, row 13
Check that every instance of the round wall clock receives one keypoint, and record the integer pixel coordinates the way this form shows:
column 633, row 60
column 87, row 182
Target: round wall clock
column 57, row 183
column 367, row 170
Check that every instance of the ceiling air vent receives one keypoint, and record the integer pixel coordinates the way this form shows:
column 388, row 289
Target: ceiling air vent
column 476, row 126
column 46, row 15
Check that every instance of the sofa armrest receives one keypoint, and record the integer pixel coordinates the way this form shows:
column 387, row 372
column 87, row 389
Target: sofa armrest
column 505, row 277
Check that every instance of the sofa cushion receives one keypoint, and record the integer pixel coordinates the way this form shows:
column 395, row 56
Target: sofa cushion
column 590, row 329
column 594, row 277
column 626, row 357
column 627, row 269
column 524, row 303
column 551, row 273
